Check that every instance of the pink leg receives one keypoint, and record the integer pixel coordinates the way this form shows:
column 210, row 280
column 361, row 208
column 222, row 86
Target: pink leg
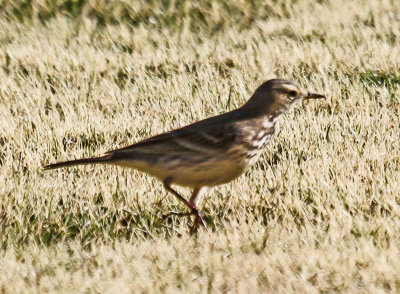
column 199, row 221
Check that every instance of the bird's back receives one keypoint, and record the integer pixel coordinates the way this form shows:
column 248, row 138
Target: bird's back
column 207, row 153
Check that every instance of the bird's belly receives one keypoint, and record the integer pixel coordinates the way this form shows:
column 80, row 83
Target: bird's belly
column 206, row 174
column 191, row 171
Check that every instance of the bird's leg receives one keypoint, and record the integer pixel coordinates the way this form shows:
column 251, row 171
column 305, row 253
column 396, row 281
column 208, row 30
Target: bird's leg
column 198, row 221
column 167, row 186
column 191, row 204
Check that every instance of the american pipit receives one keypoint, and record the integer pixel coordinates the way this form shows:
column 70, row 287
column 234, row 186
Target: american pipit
column 210, row 152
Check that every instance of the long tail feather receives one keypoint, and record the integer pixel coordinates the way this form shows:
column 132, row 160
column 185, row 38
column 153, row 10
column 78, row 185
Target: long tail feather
column 102, row 159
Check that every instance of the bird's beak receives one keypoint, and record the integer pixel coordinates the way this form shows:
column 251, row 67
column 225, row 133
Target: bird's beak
column 310, row 95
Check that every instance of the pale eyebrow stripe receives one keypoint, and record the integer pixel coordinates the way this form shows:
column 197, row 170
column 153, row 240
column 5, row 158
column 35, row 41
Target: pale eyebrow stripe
column 289, row 88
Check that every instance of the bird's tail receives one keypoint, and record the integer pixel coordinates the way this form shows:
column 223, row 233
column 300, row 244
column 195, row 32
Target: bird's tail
column 102, row 159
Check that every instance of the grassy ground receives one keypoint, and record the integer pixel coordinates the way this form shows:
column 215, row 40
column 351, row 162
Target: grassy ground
column 320, row 212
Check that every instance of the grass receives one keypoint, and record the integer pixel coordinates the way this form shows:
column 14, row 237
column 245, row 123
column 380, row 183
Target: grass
column 318, row 213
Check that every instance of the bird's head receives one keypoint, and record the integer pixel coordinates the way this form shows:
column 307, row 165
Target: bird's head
column 277, row 96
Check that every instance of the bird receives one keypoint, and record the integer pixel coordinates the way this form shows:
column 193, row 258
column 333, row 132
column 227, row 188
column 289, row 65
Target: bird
column 209, row 152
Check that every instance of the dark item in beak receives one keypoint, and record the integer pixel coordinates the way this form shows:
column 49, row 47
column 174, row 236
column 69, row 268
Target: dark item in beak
column 310, row 95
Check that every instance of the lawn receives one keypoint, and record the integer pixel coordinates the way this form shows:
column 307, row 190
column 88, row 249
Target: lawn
column 318, row 213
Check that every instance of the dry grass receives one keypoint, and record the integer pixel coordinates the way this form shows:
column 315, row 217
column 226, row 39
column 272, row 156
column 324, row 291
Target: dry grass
column 320, row 212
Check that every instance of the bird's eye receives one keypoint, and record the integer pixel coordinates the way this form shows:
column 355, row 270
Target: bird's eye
column 292, row 94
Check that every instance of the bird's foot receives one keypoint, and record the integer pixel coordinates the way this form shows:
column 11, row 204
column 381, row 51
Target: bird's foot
column 198, row 221
column 179, row 214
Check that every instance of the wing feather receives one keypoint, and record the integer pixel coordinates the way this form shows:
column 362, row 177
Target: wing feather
column 201, row 137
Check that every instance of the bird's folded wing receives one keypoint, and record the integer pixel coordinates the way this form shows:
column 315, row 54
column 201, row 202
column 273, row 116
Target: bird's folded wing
column 211, row 139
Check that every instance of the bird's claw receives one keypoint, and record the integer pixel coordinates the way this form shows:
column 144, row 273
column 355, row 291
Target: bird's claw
column 198, row 221
column 178, row 214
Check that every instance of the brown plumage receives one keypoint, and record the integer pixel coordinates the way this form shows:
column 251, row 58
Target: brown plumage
column 210, row 152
